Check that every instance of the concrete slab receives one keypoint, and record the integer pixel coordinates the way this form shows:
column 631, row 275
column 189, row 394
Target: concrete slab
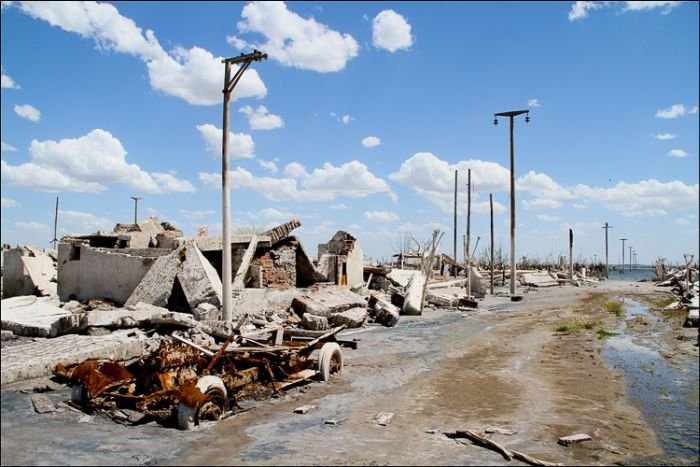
column 41, row 271
column 156, row 285
column 326, row 301
column 39, row 358
column 199, row 280
column 401, row 277
column 38, row 317
column 538, row 279
column 413, row 300
column 353, row 318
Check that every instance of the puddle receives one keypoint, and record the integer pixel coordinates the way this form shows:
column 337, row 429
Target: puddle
column 666, row 396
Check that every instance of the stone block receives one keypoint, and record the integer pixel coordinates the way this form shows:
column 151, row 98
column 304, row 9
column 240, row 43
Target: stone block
column 156, row 285
column 413, row 299
column 38, row 317
column 199, row 280
column 327, row 301
column 353, row 318
column 313, row 322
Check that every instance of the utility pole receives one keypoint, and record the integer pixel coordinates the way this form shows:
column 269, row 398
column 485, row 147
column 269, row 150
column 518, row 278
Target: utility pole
column 454, row 234
column 229, row 83
column 511, row 115
column 491, row 205
column 607, row 269
column 622, row 269
column 469, row 213
column 630, row 257
column 55, row 225
column 136, row 207
column 571, row 256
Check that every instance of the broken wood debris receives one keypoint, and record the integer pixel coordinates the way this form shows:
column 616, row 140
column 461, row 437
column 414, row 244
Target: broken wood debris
column 572, row 439
column 507, row 453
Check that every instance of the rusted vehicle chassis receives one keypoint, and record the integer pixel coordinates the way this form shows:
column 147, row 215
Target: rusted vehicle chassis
column 188, row 383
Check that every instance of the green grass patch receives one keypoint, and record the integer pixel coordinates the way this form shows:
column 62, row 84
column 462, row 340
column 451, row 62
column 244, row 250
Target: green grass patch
column 656, row 301
column 602, row 333
column 575, row 324
column 614, row 307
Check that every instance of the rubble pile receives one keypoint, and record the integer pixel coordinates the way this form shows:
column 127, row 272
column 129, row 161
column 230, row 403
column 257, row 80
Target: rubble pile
column 684, row 284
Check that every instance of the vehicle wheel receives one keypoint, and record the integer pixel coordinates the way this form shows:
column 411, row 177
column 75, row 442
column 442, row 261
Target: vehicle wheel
column 330, row 361
column 211, row 409
column 79, row 394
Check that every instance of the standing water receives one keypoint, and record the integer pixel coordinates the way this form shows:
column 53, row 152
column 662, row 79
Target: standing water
column 667, row 396
column 636, row 273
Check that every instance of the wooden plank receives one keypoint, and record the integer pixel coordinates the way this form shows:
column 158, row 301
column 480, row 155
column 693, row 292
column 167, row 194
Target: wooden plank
column 192, row 344
column 238, row 279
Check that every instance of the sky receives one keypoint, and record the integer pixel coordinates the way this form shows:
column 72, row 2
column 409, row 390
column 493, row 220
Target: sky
column 357, row 121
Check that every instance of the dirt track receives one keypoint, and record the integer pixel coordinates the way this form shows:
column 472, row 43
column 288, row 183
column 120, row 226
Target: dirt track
column 503, row 365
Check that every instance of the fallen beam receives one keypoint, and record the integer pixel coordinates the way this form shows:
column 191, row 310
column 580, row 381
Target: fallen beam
column 239, row 278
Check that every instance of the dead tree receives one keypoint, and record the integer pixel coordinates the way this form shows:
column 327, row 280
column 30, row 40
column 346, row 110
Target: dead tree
column 427, row 262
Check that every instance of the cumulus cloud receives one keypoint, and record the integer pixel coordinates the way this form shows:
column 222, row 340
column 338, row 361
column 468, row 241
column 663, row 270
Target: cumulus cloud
column 240, row 145
column 542, row 186
column 194, row 74
column 84, row 221
column 648, row 197
column 170, row 183
column 28, row 112
column 346, row 119
column 579, row 10
column 273, row 214
column 381, row 216
column 8, row 203
column 33, row 226
column 294, row 41
column 391, row 31
column 338, row 207
column 664, row 136
column 547, row 218
column 533, row 103
column 268, row 165
column 541, row 203
column 677, row 153
column 352, row 180
column 196, row 214
column 675, row 111
column 6, row 82
column 4, row 147
column 371, row 141
column 85, row 164
column 261, row 119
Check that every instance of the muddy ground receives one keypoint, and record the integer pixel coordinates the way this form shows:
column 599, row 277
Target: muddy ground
column 503, row 365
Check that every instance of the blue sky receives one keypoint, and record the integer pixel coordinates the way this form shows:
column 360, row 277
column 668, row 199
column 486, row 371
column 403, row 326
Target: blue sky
column 358, row 120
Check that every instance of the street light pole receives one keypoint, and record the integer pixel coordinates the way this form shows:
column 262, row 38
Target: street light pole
column 630, row 257
column 607, row 269
column 512, row 114
column 136, row 208
column 229, row 83
column 622, row 270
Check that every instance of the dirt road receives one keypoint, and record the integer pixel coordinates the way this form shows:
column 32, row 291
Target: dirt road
column 504, row 365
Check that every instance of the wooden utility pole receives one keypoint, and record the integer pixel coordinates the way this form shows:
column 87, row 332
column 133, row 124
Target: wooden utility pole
column 491, row 205
column 454, row 239
column 229, row 84
column 511, row 115
column 607, row 269
column 55, row 225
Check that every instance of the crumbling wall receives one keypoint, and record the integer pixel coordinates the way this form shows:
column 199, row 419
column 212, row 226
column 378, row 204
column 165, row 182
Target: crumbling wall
column 342, row 259
column 86, row 272
column 28, row 271
column 279, row 264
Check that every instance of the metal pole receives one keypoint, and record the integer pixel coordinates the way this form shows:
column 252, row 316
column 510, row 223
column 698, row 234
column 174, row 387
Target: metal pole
column 622, row 269
column 512, row 211
column 227, row 312
column 491, row 204
column 136, row 207
column 630, row 257
column 454, row 240
column 607, row 268
column 571, row 256
column 55, row 225
column 469, row 209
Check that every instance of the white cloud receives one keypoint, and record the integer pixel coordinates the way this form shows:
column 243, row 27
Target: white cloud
column 84, row 164
column 29, row 112
column 8, row 203
column 8, row 83
column 433, row 178
column 84, row 221
column 371, row 141
column 194, row 74
column 295, row 41
column 533, row 103
column 580, row 206
column 274, row 214
column 648, row 197
column 547, row 218
column 338, row 207
column 542, row 186
column 677, row 153
column 664, row 136
column 579, row 10
column 268, row 165
column 4, row 147
column 352, row 180
column 33, row 226
column 391, row 31
column 681, row 221
column 169, row 183
column 346, row 119
column 197, row 214
column 240, row 145
column 261, row 119
column 675, row 111
column 381, row 216
column 541, row 203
